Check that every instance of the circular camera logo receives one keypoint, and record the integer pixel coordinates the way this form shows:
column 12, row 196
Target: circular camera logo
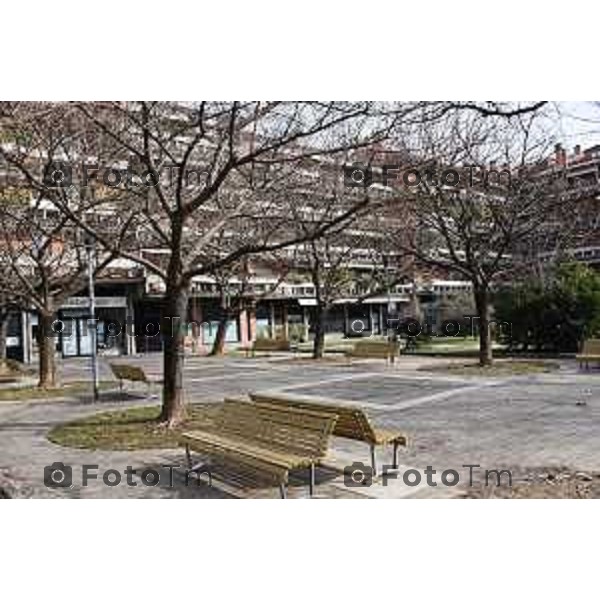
column 358, row 474
column 58, row 475
column 58, row 175
column 357, row 176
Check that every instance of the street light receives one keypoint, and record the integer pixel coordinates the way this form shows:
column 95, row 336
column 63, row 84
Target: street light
column 91, row 256
column 391, row 307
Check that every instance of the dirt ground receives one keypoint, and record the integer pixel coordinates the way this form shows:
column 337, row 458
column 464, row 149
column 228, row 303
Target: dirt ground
column 541, row 483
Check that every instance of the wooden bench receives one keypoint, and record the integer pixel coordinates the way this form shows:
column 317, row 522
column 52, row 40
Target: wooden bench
column 269, row 345
column 129, row 373
column 265, row 441
column 351, row 422
column 589, row 353
column 375, row 349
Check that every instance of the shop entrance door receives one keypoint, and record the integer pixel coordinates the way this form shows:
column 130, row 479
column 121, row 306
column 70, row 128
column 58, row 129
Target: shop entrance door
column 77, row 338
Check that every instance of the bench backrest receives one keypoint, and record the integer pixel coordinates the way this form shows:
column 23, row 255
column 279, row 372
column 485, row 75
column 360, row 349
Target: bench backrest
column 381, row 349
column 128, row 372
column 271, row 344
column 294, row 431
column 591, row 346
column 351, row 422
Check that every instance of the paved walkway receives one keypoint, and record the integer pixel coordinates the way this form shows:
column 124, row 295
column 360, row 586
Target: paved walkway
column 533, row 421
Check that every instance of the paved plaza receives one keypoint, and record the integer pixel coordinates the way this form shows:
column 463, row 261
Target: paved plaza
column 521, row 422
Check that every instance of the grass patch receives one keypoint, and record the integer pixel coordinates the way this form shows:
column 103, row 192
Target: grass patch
column 35, row 393
column 12, row 371
column 499, row 368
column 459, row 347
column 307, row 359
column 132, row 429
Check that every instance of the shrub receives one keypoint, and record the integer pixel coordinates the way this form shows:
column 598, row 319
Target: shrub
column 553, row 315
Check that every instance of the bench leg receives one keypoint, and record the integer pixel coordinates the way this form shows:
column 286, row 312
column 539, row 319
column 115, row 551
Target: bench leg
column 282, row 491
column 373, row 465
column 188, row 456
column 311, row 483
column 121, row 388
column 395, row 464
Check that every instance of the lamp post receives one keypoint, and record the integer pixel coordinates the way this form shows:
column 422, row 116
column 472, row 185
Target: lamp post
column 390, row 307
column 91, row 256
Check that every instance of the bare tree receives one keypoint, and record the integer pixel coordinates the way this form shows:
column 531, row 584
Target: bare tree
column 238, row 291
column 42, row 250
column 215, row 153
column 505, row 208
column 47, row 263
column 9, row 299
column 340, row 264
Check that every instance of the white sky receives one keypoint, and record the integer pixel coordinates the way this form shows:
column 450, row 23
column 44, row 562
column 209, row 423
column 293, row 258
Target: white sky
column 578, row 122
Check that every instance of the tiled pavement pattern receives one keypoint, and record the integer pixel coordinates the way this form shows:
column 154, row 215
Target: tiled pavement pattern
column 530, row 421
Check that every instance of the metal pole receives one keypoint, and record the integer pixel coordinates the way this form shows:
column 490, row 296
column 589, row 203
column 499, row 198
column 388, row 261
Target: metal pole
column 93, row 328
column 390, row 311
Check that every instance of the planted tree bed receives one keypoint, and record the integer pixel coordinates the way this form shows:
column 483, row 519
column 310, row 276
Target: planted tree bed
column 26, row 392
column 499, row 368
column 133, row 429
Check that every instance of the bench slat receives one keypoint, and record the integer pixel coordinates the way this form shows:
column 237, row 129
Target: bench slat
column 374, row 349
column 129, row 372
column 302, row 431
column 268, row 439
column 269, row 344
column 351, row 422
column 590, row 352
column 270, row 467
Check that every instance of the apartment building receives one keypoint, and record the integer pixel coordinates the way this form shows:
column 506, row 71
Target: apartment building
column 580, row 169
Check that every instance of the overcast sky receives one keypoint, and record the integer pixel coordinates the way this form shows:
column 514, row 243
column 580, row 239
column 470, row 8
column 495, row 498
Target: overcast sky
column 578, row 122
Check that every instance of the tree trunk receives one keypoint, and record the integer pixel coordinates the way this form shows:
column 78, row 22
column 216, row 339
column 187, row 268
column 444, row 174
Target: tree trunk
column 482, row 304
column 319, row 341
column 173, row 334
column 47, row 351
column 414, row 307
column 218, row 348
column 3, row 338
